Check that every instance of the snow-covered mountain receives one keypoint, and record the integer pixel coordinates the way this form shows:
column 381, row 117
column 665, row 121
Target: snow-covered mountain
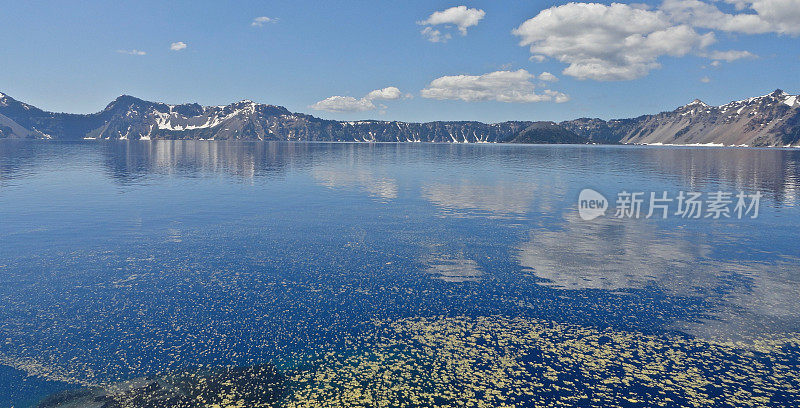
column 769, row 120
column 130, row 118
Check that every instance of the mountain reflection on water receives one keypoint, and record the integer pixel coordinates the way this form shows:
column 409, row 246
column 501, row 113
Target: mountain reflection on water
column 125, row 259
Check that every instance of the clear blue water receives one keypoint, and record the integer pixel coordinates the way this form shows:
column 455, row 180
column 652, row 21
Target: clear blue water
column 121, row 259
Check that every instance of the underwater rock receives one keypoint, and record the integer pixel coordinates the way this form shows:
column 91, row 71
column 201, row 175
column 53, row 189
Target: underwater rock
column 255, row 386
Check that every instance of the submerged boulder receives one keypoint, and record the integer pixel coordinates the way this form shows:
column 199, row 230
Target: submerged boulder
column 254, row 386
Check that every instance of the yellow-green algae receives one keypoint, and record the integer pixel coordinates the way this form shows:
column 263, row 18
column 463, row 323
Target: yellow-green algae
column 491, row 361
column 519, row 362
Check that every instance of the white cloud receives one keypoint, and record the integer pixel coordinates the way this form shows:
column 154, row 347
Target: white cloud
column 132, row 52
column 459, row 16
column 705, row 79
column 728, row 56
column 351, row 104
column 344, row 104
column 502, row 86
column 177, row 46
column 260, row 21
column 624, row 42
column 387, row 93
column 547, row 77
column 704, row 15
column 757, row 16
column 434, row 35
column 607, row 43
column 783, row 16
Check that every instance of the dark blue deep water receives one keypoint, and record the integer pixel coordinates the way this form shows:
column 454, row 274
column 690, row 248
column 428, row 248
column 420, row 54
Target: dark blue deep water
column 126, row 259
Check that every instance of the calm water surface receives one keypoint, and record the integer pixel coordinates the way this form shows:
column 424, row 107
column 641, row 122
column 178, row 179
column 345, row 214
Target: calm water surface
column 126, row 259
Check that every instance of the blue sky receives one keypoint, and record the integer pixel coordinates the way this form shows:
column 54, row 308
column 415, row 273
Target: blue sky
column 78, row 56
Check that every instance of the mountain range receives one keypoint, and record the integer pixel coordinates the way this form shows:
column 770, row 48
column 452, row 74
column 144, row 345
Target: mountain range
column 769, row 120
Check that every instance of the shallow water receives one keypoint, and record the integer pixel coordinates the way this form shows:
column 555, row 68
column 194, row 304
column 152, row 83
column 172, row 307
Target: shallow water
column 123, row 259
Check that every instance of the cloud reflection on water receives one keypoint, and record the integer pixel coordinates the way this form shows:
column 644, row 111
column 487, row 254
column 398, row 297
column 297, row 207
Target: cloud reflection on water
column 498, row 200
column 745, row 296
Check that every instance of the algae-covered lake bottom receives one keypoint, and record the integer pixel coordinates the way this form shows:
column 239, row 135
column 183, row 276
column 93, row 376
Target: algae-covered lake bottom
column 194, row 273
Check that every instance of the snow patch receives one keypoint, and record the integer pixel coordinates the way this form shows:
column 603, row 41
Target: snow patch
column 684, row 145
column 164, row 120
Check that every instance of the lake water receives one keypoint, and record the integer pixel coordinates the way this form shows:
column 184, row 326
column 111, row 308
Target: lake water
column 396, row 274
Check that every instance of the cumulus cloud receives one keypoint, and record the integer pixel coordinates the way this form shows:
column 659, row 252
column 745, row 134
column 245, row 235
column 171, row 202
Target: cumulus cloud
column 387, row 93
column 783, row 16
column 460, row 16
column 342, row 104
column 547, row 77
column 177, row 46
column 132, row 52
column 607, row 43
column 502, row 86
column 705, row 79
column 756, row 17
column 260, row 21
column 704, row 15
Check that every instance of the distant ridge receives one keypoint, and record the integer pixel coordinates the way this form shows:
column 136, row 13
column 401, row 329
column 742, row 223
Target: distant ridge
column 768, row 120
